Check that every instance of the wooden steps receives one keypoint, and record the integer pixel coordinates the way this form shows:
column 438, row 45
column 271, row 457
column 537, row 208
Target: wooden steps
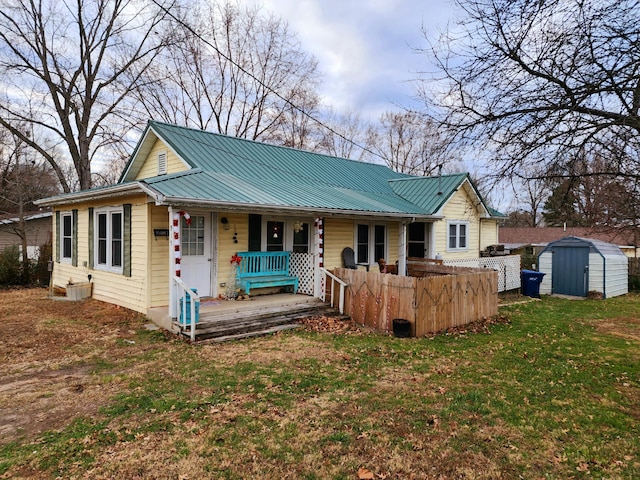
column 249, row 322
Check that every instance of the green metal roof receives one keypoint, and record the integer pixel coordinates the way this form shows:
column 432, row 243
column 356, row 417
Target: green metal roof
column 429, row 193
column 238, row 172
column 225, row 188
column 217, row 153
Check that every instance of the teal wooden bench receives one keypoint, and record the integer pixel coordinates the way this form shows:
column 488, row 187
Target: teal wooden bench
column 264, row 269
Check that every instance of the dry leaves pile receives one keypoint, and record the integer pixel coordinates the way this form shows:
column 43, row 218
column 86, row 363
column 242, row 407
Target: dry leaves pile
column 344, row 325
column 479, row 326
column 330, row 324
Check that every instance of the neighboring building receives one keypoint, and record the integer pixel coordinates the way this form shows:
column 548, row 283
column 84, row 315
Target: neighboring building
column 38, row 231
column 189, row 200
column 531, row 241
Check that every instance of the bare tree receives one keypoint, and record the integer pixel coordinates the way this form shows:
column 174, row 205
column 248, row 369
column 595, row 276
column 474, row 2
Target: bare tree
column 529, row 196
column 534, row 82
column 345, row 135
column 234, row 70
column 24, row 176
column 68, row 69
column 23, row 179
column 410, row 143
column 296, row 127
column 590, row 199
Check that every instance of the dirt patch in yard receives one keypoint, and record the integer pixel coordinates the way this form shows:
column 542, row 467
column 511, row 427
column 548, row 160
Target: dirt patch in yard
column 48, row 351
column 46, row 400
column 625, row 327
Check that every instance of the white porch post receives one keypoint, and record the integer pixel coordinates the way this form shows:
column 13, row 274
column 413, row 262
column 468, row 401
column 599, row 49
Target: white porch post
column 318, row 248
column 432, row 240
column 173, row 301
column 402, row 250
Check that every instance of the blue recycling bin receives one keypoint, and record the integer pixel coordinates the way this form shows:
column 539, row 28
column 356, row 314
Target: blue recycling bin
column 530, row 281
column 185, row 313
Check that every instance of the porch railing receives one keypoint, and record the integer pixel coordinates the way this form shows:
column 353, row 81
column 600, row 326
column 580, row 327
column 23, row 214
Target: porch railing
column 182, row 290
column 326, row 276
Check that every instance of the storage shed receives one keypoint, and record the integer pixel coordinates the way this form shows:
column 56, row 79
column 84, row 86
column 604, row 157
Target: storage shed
column 576, row 266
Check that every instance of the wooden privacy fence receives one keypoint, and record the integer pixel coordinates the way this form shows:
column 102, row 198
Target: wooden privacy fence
column 431, row 304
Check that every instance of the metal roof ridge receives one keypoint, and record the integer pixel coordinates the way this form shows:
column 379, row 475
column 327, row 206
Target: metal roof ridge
column 171, row 176
column 410, row 177
column 273, row 145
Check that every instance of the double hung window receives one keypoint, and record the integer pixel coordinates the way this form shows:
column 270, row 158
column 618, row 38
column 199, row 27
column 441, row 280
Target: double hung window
column 109, row 239
column 457, row 236
column 371, row 243
column 66, row 237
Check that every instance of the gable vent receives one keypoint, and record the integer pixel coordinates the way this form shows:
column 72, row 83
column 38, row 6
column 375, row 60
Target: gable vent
column 162, row 163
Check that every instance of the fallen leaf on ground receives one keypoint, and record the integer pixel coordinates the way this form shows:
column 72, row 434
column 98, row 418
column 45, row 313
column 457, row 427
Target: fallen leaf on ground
column 365, row 474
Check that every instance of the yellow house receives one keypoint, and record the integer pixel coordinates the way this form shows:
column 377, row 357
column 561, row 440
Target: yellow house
column 189, row 200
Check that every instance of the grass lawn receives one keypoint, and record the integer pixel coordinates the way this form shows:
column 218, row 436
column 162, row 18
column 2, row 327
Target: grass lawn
column 87, row 392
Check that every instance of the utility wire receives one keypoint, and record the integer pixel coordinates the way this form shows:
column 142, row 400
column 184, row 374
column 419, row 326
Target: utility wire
column 253, row 77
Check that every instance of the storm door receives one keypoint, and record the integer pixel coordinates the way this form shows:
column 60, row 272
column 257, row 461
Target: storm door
column 196, row 253
column 417, row 240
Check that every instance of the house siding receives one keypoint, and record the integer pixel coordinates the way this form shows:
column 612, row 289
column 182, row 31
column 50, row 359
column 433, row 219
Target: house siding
column 226, row 248
column 129, row 292
column 458, row 209
column 488, row 233
column 338, row 234
column 150, row 165
column 158, row 267
column 393, row 236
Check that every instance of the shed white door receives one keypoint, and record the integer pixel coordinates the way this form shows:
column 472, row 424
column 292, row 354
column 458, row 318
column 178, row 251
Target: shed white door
column 196, row 261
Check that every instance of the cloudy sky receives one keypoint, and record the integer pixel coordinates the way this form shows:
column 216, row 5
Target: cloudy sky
column 365, row 48
column 366, row 52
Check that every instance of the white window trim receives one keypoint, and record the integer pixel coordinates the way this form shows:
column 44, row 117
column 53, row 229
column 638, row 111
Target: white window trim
column 108, row 267
column 457, row 224
column 371, row 241
column 287, row 245
column 64, row 259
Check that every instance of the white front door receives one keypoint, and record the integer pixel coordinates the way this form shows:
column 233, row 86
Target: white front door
column 196, row 253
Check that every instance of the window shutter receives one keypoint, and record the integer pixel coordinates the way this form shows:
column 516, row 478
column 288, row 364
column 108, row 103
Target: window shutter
column 74, row 241
column 126, row 245
column 90, row 237
column 58, row 237
column 162, row 163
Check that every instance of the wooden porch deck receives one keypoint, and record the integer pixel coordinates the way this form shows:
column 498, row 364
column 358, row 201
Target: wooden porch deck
column 222, row 320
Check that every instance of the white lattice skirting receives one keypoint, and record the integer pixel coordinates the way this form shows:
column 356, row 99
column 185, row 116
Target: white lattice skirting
column 301, row 265
column 508, row 268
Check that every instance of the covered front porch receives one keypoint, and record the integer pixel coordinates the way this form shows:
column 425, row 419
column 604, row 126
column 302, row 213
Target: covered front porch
column 203, row 247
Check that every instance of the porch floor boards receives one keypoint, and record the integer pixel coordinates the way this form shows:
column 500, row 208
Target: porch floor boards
column 233, row 320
